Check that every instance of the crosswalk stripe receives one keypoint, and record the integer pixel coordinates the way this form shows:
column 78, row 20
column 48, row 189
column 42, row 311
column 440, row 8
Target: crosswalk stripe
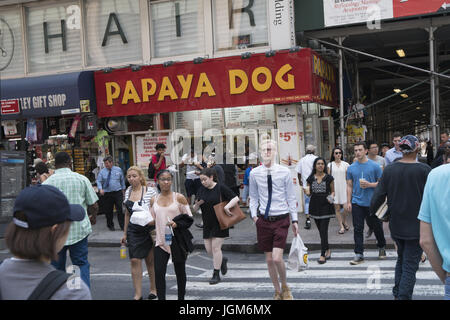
column 309, row 288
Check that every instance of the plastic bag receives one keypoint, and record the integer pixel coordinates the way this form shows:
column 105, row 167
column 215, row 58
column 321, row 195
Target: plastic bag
column 141, row 214
column 298, row 255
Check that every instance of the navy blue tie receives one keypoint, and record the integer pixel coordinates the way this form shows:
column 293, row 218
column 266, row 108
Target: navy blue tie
column 269, row 199
column 108, row 179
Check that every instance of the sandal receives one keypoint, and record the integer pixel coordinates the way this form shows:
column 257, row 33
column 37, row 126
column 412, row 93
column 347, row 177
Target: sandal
column 342, row 231
column 346, row 227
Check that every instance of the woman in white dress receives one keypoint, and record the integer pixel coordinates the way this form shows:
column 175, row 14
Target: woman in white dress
column 338, row 169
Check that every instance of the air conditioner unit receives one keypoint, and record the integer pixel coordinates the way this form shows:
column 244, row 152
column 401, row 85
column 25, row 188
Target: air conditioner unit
column 116, row 125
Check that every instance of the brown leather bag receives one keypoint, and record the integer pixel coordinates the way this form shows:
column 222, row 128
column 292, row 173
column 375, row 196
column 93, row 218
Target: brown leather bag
column 226, row 221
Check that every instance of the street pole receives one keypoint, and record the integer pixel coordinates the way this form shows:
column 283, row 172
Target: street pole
column 341, row 96
column 434, row 136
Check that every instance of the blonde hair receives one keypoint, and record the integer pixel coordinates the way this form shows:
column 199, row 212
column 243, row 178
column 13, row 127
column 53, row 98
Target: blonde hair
column 140, row 174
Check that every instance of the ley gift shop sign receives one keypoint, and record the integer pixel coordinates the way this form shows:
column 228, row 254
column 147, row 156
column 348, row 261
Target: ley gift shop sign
column 286, row 77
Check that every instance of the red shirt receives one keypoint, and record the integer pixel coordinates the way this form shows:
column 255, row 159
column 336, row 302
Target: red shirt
column 155, row 161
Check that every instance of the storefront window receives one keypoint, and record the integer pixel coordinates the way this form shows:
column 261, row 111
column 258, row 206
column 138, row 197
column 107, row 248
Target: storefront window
column 177, row 27
column 54, row 37
column 113, row 32
column 240, row 24
column 11, row 52
column 141, row 123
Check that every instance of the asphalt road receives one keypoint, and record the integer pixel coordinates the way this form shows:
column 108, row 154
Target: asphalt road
column 247, row 278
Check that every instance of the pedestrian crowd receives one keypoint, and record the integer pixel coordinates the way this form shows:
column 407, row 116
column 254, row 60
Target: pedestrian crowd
column 56, row 216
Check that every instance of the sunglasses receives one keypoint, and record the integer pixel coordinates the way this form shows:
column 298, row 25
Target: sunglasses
column 338, row 153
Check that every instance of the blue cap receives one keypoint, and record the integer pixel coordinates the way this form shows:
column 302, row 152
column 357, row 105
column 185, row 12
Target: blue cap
column 44, row 206
column 409, row 143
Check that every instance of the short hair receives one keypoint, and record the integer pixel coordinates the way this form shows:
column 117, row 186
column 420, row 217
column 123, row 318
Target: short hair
column 108, row 158
column 310, row 149
column 209, row 172
column 445, row 132
column 34, row 243
column 160, row 146
column 360, row 143
column 140, row 174
column 62, row 158
column 41, row 168
column 371, row 142
column 397, row 134
column 384, row 144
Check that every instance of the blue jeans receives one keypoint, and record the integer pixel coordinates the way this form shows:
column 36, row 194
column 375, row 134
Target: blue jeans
column 409, row 253
column 359, row 214
column 447, row 289
column 307, row 199
column 79, row 257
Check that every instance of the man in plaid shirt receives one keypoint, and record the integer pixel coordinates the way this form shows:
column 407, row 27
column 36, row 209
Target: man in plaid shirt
column 78, row 190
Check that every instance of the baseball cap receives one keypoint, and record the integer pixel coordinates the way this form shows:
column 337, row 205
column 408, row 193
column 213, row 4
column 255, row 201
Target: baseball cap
column 44, row 206
column 409, row 143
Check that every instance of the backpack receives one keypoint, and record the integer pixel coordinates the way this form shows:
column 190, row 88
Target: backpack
column 49, row 285
column 151, row 169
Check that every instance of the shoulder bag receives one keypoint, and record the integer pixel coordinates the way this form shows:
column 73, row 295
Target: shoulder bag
column 382, row 213
column 226, row 221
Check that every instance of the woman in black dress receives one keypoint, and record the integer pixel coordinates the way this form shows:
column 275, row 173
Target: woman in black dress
column 138, row 238
column 211, row 193
column 321, row 190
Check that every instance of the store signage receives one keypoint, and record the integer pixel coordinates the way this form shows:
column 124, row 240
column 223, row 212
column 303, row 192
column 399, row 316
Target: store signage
column 10, row 106
column 284, row 78
column 341, row 12
column 49, row 96
column 281, row 24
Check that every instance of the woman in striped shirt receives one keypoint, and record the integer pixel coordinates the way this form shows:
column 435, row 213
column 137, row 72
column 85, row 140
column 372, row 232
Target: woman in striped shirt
column 138, row 238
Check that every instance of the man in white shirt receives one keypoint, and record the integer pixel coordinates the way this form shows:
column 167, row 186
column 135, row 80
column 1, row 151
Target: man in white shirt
column 272, row 190
column 304, row 169
column 395, row 152
column 193, row 169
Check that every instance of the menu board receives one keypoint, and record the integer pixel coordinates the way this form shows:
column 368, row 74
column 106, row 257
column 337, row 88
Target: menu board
column 145, row 148
column 250, row 117
column 210, row 118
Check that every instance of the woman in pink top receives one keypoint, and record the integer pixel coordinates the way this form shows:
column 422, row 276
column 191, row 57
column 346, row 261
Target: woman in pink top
column 165, row 207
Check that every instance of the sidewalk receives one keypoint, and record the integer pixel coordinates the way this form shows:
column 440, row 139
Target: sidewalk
column 243, row 236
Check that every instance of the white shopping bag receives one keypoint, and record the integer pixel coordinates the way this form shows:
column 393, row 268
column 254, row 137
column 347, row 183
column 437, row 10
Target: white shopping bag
column 298, row 255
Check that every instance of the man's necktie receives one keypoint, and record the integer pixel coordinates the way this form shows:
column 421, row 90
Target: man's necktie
column 108, row 179
column 269, row 199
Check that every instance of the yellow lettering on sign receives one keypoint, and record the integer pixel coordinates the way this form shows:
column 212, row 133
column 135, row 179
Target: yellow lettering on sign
column 146, row 91
column 204, row 86
column 285, row 85
column 110, row 94
column 185, row 84
column 325, row 92
column 237, row 73
column 130, row 93
column 316, row 65
column 167, row 90
column 261, row 87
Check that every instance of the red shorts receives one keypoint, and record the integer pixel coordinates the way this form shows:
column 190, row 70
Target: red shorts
column 272, row 234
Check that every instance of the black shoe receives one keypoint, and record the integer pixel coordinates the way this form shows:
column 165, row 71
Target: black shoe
column 199, row 225
column 308, row 224
column 215, row 278
column 223, row 267
column 111, row 229
column 152, row 296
